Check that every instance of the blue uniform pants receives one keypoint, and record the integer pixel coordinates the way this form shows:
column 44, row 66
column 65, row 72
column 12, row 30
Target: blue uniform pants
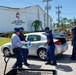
column 17, row 52
column 25, row 54
column 74, row 52
column 50, row 53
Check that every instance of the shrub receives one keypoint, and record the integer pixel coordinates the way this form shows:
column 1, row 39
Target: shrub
column 25, row 32
column 8, row 34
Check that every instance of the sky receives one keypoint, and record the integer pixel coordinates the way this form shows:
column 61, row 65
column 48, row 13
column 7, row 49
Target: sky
column 68, row 9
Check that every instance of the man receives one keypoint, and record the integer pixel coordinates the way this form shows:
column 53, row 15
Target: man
column 24, row 50
column 16, row 46
column 51, row 59
column 73, row 34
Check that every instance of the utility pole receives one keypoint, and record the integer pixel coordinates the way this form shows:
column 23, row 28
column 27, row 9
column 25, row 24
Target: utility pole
column 58, row 12
column 47, row 7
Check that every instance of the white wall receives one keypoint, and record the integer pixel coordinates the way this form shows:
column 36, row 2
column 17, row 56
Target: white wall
column 31, row 15
column 13, row 17
column 4, row 20
column 27, row 15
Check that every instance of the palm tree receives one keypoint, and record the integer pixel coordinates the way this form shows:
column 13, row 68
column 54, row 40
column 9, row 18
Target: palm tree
column 70, row 21
column 64, row 21
column 36, row 24
column 55, row 25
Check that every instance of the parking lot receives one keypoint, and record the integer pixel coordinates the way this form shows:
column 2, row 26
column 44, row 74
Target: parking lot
column 64, row 64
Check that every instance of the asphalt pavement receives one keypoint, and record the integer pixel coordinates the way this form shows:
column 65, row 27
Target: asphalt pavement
column 65, row 66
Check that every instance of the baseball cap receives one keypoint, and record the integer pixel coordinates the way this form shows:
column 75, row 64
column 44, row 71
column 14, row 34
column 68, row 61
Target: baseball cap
column 16, row 29
column 47, row 28
column 21, row 28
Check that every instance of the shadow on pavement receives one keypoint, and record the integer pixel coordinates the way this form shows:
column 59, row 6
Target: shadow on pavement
column 65, row 58
column 64, row 68
column 29, row 57
column 32, row 66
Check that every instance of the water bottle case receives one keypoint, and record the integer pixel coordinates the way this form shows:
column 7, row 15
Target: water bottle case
column 26, row 44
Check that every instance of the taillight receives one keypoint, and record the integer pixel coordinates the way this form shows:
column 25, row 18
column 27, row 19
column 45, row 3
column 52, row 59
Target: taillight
column 58, row 42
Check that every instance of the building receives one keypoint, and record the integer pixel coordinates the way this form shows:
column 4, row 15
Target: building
column 22, row 17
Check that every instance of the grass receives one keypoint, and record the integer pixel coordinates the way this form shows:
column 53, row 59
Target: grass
column 4, row 40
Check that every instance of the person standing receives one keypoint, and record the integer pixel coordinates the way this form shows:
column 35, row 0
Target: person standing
column 73, row 35
column 51, row 59
column 24, row 50
column 16, row 46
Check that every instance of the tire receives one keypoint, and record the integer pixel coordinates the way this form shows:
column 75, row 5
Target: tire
column 42, row 53
column 6, row 52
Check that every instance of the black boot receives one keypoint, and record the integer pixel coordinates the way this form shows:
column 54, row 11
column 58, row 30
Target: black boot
column 72, row 58
column 47, row 63
column 26, row 64
column 54, row 63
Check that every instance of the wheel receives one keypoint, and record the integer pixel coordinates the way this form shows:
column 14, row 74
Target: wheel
column 42, row 54
column 6, row 52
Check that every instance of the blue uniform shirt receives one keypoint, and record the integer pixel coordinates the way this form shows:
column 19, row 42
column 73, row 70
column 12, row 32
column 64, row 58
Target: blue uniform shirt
column 50, row 36
column 74, row 35
column 22, row 37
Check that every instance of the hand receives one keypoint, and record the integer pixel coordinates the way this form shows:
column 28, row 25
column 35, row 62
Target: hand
column 25, row 41
column 23, row 44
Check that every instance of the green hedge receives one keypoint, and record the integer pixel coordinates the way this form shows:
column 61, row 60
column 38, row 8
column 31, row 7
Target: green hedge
column 8, row 34
column 25, row 32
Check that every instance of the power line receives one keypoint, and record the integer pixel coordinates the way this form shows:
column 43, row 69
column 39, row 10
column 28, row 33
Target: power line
column 58, row 12
column 68, row 13
column 48, row 7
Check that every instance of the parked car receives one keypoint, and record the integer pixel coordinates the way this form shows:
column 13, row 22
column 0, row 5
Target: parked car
column 37, row 48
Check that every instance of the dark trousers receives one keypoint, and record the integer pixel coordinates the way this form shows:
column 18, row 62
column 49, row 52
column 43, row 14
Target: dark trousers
column 50, row 53
column 74, row 52
column 17, row 52
column 25, row 54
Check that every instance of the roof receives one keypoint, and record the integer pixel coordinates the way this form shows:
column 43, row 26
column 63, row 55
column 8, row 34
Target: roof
column 24, row 8
column 39, row 7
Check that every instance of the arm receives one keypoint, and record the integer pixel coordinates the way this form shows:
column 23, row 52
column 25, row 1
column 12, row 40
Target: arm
column 48, row 41
column 49, row 37
column 71, row 33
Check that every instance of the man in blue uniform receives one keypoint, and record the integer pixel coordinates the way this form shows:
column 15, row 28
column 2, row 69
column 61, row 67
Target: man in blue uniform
column 51, row 59
column 73, row 34
column 24, row 50
column 16, row 47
